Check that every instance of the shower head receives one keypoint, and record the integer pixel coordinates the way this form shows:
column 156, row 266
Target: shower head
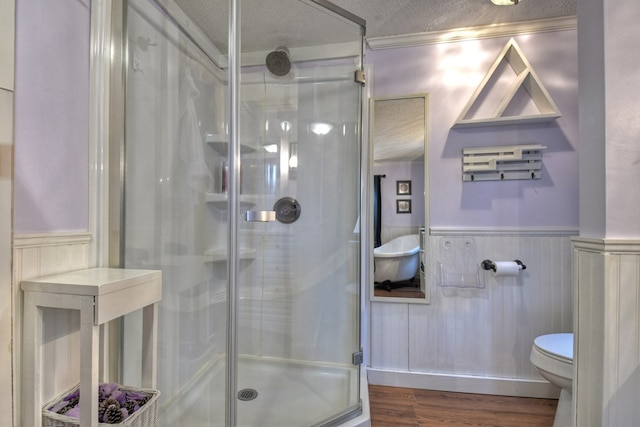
column 278, row 62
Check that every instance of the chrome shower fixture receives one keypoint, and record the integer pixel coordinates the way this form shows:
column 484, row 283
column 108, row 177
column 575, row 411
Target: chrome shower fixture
column 278, row 62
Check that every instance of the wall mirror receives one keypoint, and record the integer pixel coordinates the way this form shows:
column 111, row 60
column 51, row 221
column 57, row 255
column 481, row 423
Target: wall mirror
column 399, row 131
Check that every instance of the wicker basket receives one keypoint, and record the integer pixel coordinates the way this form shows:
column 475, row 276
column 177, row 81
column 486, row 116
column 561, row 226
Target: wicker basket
column 143, row 417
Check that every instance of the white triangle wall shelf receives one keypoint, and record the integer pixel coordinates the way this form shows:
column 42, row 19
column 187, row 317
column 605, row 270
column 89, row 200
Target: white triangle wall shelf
column 525, row 78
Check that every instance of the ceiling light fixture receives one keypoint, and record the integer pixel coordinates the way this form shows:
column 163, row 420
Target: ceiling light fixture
column 505, row 2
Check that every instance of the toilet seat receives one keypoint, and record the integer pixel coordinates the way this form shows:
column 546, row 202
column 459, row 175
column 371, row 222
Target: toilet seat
column 552, row 355
column 556, row 346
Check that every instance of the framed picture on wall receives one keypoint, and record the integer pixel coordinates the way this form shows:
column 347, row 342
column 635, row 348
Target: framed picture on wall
column 403, row 188
column 403, row 206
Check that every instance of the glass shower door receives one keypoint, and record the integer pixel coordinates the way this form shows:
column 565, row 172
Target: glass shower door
column 298, row 300
column 299, row 130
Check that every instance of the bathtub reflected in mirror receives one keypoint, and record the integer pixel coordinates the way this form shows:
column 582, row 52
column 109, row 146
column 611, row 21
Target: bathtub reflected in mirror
column 399, row 134
column 397, row 261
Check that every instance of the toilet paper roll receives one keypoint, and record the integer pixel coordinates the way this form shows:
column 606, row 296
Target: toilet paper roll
column 507, row 268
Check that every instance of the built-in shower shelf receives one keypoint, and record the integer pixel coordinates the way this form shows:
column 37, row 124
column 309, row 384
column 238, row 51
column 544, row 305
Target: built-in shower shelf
column 220, row 143
column 220, row 255
column 220, row 201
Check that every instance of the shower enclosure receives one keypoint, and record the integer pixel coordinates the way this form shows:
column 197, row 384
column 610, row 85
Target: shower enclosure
column 240, row 171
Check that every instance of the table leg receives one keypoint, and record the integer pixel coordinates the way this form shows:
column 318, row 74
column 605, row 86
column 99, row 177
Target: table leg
column 89, row 359
column 149, row 345
column 31, row 363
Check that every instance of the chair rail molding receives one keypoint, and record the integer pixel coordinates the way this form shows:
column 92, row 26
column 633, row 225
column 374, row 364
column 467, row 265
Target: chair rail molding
column 27, row 240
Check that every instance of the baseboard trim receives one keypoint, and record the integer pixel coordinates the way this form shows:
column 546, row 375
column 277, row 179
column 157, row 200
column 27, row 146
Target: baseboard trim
column 464, row 383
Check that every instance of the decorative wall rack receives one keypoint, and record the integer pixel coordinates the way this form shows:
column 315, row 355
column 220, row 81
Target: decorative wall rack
column 525, row 78
column 502, row 163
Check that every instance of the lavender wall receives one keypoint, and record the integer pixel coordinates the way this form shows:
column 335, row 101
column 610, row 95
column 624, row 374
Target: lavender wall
column 450, row 73
column 51, row 158
column 51, row 116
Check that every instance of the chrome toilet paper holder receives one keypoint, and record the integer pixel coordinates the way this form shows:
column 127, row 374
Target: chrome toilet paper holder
column 487, row 264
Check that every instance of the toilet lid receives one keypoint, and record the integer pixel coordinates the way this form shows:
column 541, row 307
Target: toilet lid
column 560, row 345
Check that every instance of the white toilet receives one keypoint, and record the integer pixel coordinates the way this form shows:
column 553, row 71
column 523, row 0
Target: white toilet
column 552, row 355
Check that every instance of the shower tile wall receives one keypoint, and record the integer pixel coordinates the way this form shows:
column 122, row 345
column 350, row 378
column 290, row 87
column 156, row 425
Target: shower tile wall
column 486, row 332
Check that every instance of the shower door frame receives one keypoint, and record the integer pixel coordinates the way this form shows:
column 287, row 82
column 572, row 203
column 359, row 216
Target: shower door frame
column 108, row 89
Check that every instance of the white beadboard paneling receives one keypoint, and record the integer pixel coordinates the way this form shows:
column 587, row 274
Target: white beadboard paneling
column 389, row 233
column 589, row 337
column 488, row 332
column 607, row 339
column 390, row 336
column 37, row 255
column 623, row 334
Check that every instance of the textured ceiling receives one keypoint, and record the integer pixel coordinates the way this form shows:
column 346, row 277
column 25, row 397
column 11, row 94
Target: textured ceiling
column 386, row 18
column 292, row 23
column 399, row 129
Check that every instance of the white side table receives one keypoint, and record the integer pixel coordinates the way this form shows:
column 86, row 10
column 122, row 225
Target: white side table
column 101, row 295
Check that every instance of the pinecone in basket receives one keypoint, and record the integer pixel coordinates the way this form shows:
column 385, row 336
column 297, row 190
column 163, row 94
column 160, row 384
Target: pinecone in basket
column 113, row 414
column 102, row 408
column 71, row 403
column 145, row 399
column 130, row 406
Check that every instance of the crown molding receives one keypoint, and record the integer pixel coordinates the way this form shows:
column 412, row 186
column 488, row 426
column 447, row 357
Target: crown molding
column 474, row 33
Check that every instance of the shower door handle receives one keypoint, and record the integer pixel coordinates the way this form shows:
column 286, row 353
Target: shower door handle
column 286, row 210
column 260, row 216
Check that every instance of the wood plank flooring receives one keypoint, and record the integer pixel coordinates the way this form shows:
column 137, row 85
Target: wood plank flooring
column 404, row 292
column 406, row 289
column 406, row 407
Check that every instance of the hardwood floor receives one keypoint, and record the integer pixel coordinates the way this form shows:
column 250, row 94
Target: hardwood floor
column 406, row 289
column 406, row 407
column 404, row 292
